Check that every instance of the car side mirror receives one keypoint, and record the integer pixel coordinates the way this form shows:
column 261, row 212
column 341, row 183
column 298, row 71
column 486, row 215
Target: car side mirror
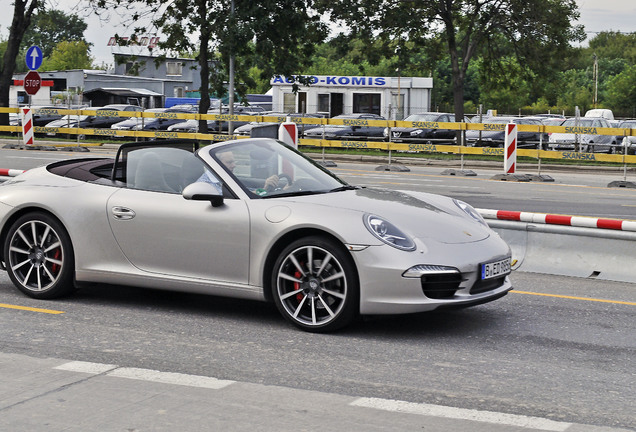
column 202, row 191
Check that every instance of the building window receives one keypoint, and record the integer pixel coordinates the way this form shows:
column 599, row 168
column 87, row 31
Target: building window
column 323, row 103
column 178, row 92
column 289, row 102
column 174, row 68
column 367, row 103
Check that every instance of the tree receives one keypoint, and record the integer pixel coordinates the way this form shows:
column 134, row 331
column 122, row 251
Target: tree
column 50, row 27
column 276, row 36
column 536, row 32
column 69, row 55
column 614, row 45
column 22, row 14
column 621, row 92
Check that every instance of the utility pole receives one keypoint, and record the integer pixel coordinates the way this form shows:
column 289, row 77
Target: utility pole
column 230, row 127
column 595, row 77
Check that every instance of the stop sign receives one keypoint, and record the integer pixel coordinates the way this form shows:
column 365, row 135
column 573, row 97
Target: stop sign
column 32, row 82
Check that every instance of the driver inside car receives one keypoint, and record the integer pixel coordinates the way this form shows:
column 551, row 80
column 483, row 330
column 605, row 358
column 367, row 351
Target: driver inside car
column 227, row 158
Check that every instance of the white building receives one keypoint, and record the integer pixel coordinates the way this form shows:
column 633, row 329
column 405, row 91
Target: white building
column 336, row 95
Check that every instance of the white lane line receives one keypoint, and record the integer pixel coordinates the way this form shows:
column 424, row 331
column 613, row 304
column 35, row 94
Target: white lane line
column 145, row 375
column 171, row 378
column 86, row 367
column 536, row 423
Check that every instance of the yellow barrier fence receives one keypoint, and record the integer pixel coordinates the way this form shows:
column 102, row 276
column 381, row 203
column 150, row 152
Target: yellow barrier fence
column 346, row 144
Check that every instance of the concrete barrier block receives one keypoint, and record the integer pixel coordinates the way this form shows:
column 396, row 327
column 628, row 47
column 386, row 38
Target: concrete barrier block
column 570, row 251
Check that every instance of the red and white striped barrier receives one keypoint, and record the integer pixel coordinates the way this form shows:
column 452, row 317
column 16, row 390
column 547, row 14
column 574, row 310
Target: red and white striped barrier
column 27, row 125
column 288, row 133
column 4, row 172
column 554, row 219
column 510, row 149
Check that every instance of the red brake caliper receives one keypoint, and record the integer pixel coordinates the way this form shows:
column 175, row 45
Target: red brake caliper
column 297, row 275
column 55, row 267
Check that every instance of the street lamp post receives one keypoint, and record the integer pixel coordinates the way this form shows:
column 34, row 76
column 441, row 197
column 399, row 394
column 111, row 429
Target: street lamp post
column 595, row 77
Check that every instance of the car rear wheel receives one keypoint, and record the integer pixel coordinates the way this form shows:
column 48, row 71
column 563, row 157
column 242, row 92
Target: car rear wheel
column 39, row 256
column 315, row 285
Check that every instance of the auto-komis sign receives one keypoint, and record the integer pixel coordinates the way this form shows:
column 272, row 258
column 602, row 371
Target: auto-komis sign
column 334, row 81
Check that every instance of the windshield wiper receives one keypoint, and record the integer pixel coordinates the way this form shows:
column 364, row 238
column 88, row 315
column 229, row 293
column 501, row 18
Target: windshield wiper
column 295, row 193
column 345, row 188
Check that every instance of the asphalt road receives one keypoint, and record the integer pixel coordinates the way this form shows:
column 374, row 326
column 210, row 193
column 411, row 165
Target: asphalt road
column 568, row 359
column 557, row 353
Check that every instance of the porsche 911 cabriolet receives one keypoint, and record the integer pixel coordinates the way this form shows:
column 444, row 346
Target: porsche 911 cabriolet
column 253, row 219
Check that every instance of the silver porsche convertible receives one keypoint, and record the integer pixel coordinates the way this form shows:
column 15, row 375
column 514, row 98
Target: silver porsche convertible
column 252, row 219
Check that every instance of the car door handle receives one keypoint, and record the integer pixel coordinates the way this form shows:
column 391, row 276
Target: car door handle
column 123, row 213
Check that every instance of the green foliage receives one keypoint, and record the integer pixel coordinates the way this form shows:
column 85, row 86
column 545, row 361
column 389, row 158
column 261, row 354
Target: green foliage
column 621, row 92
column 614, row 45
column 50, row 27
column 536, row 33
column 68, row 55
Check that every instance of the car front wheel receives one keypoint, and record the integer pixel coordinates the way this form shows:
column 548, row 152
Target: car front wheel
column 315, row 285
column 39, row 256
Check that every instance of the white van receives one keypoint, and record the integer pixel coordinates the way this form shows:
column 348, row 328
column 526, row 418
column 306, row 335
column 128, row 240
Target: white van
column 607, row 114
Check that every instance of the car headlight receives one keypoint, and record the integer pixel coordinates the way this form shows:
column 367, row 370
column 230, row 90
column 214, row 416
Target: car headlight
column 417, row 132
column 470, row 211
column 388, row 233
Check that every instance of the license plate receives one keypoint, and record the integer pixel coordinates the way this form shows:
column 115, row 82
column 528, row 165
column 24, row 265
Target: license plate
column 496, row 268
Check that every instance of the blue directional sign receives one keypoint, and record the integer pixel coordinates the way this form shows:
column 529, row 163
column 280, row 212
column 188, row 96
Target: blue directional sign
column 34, row 57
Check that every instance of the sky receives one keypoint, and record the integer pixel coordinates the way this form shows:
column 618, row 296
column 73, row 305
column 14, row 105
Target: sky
column 596, row 16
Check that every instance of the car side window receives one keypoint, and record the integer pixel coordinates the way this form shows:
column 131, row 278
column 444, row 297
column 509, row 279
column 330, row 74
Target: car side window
column 165, row 169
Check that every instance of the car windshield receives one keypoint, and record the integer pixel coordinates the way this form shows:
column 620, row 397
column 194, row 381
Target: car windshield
column 422, row 117
column 498, row 120
column 73, row 117
column 267, row 168
column 580, row 122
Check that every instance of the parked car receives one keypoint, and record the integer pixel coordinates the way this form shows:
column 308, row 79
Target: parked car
column 223, row 126
column 321, row 250
column 217, row 126
column 105, row 117
column 584, row 130
column 246, row 129
column 494, row 134
column 425, row 129
column 165, row 118
column 356, row 126
column 40, row 115
column 552, row 121
column 43, row 115
column 131, row 123
column 627, row 141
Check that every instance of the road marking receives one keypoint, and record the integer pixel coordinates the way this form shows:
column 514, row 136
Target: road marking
column 31, row 309
column 462, row 414
column 86, row 367
column 145, row 375
column 576, row 298
column 171, row 378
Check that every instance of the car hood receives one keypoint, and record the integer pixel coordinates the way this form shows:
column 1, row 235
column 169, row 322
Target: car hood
column 474, row 134
column 421, row 215
column 329, row 130
column 61, row 123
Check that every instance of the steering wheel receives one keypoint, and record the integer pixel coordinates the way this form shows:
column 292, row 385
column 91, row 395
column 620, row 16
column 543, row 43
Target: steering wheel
column 288, row 179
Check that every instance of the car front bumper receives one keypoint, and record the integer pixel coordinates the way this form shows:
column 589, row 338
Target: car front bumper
column 385, row 290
